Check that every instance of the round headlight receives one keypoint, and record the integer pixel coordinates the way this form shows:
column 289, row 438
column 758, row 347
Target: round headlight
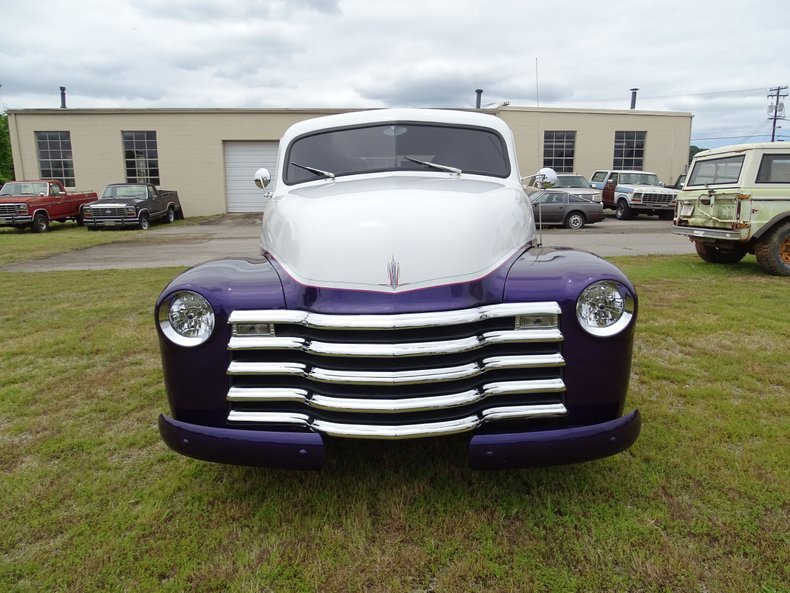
column 605, row 308
column 186, row 318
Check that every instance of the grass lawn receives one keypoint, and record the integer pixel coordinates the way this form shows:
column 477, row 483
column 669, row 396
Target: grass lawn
column 18, row 245
column 92, row 500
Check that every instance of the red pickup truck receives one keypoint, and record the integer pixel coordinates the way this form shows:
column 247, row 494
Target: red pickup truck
column 37, row 203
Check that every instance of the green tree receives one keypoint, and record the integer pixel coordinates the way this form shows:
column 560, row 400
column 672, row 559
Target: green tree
column 694, row 150
column 6, row 161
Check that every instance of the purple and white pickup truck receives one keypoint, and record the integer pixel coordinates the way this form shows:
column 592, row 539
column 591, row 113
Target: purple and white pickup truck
column 402, row 293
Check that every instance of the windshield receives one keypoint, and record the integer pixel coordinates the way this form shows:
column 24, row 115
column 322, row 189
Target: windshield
column 396, row 147
column 571, row 181
column 716, row 171
column 17, row 188
column 639, row 179
column 125, row 192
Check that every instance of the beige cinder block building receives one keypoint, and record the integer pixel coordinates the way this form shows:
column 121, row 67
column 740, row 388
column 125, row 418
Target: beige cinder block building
column 209, row 155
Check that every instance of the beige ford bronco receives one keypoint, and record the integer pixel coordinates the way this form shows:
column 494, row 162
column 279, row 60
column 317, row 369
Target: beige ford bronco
column 736, row 200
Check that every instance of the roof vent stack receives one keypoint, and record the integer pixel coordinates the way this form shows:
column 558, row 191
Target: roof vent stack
column 63, row 97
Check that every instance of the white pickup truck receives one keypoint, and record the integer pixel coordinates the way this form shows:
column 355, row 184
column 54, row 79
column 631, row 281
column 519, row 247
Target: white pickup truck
column 629, row 193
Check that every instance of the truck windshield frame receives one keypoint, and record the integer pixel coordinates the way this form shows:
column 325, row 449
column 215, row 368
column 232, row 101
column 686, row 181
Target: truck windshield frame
column 385, row 147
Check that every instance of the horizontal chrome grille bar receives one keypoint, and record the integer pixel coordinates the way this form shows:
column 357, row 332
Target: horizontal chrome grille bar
column 394, row 321
column 408, row 377
column 392, row 405
column 395, row 350
column 402, row 431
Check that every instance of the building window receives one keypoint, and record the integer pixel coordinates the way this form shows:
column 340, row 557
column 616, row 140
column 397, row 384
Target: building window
column 558, row 150
column 141, row 157
column 54, row 157
column 629, row 150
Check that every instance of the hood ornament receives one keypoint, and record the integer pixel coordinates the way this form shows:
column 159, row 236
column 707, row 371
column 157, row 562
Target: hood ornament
column 393, row 271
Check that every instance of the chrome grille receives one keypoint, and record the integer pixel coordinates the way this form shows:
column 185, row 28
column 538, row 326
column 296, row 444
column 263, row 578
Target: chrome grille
column 650, row 198
column 8, row 208
column 395, row 376
column 102, row 211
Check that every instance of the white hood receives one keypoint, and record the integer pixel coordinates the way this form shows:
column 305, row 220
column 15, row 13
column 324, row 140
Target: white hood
column 396, row 233
column 654, row 189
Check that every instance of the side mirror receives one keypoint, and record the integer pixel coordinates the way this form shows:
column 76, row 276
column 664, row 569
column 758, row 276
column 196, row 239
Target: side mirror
column 546, row 177
column 610, row 182
column 262, row 177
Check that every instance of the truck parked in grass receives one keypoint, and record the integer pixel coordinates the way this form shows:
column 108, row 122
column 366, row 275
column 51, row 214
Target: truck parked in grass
column 736, row 200
column 402, row 293
column 629, row 193
column 133, row 205
column 39, row 202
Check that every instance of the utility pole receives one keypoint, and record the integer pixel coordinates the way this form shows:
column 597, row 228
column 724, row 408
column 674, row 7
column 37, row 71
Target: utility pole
column 776, row 111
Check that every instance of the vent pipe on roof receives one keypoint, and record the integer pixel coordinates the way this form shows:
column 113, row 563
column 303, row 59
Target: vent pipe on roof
column 479, row 98
column 633, row 98
column 63, row 97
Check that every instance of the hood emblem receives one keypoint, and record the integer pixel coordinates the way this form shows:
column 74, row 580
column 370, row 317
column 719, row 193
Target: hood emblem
column 393, row 271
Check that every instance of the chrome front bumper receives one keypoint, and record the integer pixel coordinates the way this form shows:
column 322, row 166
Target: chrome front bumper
column 305, row 450
column 15, row 220
column 114, row 221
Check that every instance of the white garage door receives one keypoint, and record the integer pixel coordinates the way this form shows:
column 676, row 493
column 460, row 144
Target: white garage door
column 242, row 159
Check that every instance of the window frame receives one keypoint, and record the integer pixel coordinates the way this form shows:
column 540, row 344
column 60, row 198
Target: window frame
column 766, row 165
column 559, row 150
column 629, row 150
column 141, row 156
column 723, row 163
column 55, row 156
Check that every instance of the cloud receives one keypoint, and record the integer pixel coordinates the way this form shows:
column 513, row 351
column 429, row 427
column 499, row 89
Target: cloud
column 716, row 59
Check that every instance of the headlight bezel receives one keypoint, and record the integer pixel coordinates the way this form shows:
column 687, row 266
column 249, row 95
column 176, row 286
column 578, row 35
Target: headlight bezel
column 191, row 325
column 605, row 308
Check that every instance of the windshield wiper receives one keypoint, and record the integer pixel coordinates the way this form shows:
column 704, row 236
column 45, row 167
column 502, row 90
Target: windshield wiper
column 434, row 165
column 319, row 172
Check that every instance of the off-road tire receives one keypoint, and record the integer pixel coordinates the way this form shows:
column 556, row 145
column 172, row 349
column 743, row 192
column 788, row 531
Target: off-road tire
column 623, row 210
column 40, row 223
column 144, row 222
column 773, row 251
column 716, row 254
column 574, row 220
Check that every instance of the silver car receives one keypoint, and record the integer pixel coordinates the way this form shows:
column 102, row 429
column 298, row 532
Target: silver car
column 554, row 206
column 577, row 185
column 568, row 182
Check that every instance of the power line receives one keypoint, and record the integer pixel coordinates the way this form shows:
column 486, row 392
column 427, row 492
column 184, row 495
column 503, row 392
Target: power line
column 642, row 97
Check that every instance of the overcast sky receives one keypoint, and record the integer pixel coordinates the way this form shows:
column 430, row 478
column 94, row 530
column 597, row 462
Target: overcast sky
column 714, row 58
